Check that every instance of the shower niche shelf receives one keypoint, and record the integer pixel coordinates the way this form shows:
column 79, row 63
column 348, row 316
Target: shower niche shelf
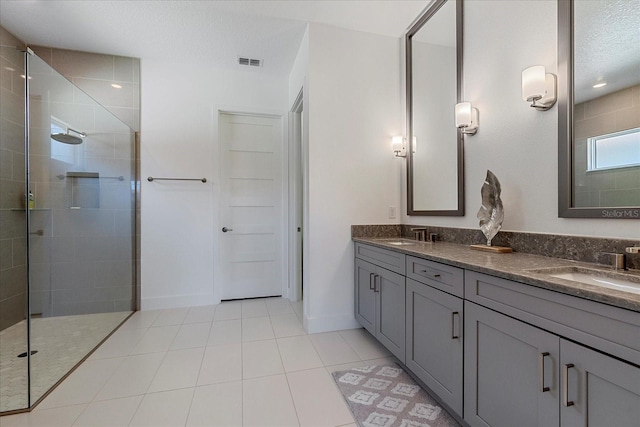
column 83, row 188
column 94, row 175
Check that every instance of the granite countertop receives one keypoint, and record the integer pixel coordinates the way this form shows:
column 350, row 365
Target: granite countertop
column 516, row 266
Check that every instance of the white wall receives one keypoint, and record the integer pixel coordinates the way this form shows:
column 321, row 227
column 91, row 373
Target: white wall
column 354, row 104
column 354, row 108
column 299, row 70
column 180, row 103
column 516, row 142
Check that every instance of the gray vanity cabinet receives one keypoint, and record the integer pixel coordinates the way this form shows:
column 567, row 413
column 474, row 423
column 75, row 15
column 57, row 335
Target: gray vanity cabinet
column 601, row 391
column 517, row 374
column 532, row 356
column 365, row 297
column 434, row 341
column 510, row 371
column 380, row 305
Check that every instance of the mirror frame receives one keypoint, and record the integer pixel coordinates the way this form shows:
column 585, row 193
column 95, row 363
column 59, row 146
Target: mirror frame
column 566, row 129
column 420, row 22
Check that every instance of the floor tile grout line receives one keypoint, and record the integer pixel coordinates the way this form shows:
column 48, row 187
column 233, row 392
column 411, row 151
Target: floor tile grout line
column 286, row 377
column 137, row 409
column 353, row 348
column 193, row 395
column 350, row 346
column 241, row 377
column 93, row 398
column 293, row 402
column 204, row 352
column 156, row 372
column 78, row 416
column 129, row 354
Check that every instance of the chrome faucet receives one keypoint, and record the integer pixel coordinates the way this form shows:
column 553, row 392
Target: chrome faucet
column 420, row 233
column 618, row 261
column 632, row 249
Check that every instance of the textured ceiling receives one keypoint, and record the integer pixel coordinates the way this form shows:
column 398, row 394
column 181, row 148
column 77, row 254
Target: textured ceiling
column 208, row 30
column 607, row 46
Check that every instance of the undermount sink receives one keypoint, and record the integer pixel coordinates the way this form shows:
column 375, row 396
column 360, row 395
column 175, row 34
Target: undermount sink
column 605, row 278
column 401, row 242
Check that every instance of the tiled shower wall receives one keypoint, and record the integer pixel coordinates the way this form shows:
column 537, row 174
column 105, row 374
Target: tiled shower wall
column 81, row 247
column 95, row 73
column 13, row 265
column 68, row 277
column 606, row 114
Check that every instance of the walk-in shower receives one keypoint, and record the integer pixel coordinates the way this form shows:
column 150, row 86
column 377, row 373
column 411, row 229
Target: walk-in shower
column 67, row 227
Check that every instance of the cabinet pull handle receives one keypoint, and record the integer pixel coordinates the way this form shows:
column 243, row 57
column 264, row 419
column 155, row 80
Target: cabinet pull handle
column 454, row 334
column 371, row 279
column 376, row 287
column 435, row 276
column 565, row 379
column 541, row 357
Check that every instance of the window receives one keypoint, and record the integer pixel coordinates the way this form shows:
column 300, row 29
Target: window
column 614, row 150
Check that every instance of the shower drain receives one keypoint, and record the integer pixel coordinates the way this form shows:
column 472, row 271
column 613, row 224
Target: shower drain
column 25, row 353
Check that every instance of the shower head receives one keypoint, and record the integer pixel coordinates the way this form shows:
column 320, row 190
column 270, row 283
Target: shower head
column 65, row 138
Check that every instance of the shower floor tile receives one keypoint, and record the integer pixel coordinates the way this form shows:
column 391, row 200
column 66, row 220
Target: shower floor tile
column 60, row 342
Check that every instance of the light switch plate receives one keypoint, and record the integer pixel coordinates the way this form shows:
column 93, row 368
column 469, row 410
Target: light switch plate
column 392, row 212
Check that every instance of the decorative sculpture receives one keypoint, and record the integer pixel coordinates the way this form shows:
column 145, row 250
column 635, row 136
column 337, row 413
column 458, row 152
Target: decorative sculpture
column 491, row 213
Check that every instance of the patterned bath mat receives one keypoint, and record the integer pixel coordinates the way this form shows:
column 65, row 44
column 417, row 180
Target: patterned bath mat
column 386, row 396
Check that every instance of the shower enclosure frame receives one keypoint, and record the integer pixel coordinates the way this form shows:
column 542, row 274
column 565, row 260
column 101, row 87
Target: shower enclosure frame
column 135, row 242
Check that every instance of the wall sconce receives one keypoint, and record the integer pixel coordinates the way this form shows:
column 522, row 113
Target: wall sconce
column 539, row 87
column 398, row 146
column 466, row 118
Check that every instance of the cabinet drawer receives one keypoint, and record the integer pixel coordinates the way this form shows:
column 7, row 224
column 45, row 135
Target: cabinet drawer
column 612, row 330
column 390, row 260
column 440, row 276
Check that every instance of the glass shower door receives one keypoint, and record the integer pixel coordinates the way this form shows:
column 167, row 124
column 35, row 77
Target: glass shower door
column 14, row 392
column 81, row 251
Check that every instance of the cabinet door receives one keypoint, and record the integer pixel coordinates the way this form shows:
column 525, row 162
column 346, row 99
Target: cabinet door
column 507, row 365
column 598, row 390
column 434, row 341
column 390, row 324
column 365, row 297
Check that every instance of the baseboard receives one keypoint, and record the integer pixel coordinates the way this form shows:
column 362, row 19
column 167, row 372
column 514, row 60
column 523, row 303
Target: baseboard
column 176, row 301
column 314, row 325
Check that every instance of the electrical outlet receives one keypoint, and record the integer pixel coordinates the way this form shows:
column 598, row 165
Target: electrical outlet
column 633, row 250
column 392, row 212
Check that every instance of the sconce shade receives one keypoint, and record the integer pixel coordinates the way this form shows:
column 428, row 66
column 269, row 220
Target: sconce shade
column 398, row 147
column 533, row 83
column 539, row 87
column 466, row 118
column 397, row 142
column 463, row 114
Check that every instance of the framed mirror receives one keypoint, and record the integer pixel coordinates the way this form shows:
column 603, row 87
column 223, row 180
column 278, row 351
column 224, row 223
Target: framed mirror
column 435, row 154
column 599, row 109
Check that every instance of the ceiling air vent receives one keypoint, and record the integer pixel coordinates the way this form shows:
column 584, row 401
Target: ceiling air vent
column 252, row 62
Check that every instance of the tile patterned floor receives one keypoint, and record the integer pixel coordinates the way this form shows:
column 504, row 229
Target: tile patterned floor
column 61, row 342
column 244, row 363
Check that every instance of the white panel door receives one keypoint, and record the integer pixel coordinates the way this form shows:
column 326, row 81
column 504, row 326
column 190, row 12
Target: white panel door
column 251, row 232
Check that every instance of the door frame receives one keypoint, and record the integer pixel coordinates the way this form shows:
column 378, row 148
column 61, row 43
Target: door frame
column 217, row 225
column 297, row 172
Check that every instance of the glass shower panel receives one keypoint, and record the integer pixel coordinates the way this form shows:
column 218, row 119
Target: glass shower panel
column 14, row 393
column 81, row 250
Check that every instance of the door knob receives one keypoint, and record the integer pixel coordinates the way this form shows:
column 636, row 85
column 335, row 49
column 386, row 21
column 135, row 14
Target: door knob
column 225, row 229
